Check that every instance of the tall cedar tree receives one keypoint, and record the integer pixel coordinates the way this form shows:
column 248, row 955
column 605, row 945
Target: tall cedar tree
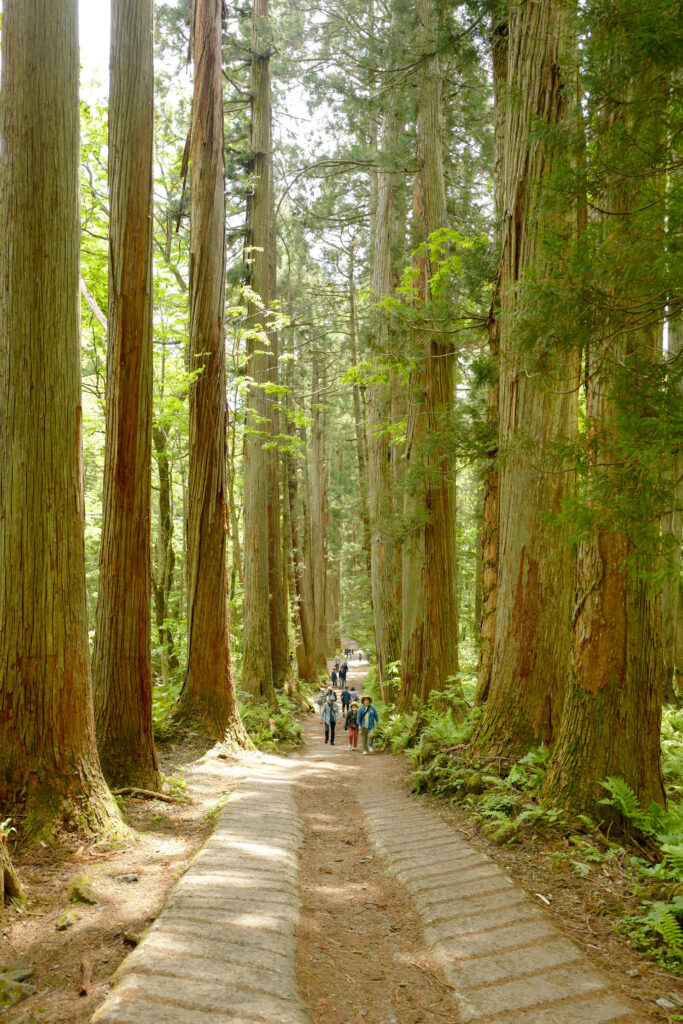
column 611, row 719
column 122, row 656
column 488, row 551
column 257, row 665
column 536, row 409
column 49, row 768
column 384, row 568
column 279, row 634
column 208, row 696
column 429, row 646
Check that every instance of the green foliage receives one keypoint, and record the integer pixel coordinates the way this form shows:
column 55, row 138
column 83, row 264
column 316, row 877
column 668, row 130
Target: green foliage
column 269, row 729
column 665, row 919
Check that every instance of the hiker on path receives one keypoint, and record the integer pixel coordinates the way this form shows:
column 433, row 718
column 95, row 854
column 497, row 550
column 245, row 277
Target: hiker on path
column 367, row 719
column 333, row 677
column 345, row 698
column 342, row 673
column 351, row 725
column 329, row 716
column 355, row 695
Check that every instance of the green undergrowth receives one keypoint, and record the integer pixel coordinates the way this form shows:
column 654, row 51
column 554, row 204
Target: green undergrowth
column 645, row 867
column 270, row 729
column 267, row 728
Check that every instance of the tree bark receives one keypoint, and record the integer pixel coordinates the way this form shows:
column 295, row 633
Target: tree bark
column 9, row 883
column 122, row 654
column 318, row 521
column 279, row 638
column 490, row 511
column 304, row 650
column 207, row 698
column 49, row 768
column 359, row 419
column 162, row 580
column 429, row 645
column 611, row 720
column 257, row 665
column 384, row 564
column 534, row 588
column 672, row 525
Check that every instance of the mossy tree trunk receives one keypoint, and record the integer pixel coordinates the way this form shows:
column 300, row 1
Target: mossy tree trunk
column 611, row 720
column 122, row 654
column 429, row 639
column 49, row 767
column 488, row 549
column 9, row 883
column 535, row 564
column 207, row 698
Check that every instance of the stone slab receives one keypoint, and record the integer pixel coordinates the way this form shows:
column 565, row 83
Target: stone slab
column 603, row 1010
column 511, row 936
column 524, row 993
column 209, row 998
column 487, row 970
column 481, row 923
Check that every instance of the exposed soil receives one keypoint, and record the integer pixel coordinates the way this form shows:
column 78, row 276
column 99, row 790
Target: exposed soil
column 360, row 958
column 163, row 839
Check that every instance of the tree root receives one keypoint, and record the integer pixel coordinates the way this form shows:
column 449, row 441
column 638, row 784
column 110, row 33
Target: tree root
column 9, row 883
column 149, row 794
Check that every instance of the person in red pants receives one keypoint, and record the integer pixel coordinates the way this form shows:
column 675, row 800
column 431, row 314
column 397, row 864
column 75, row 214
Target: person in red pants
column 351, row 725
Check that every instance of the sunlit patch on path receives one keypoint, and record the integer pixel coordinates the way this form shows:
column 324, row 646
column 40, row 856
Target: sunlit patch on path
column 328, row 895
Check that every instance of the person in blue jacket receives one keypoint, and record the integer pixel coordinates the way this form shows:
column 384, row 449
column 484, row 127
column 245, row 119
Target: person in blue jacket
column 367, row 719
column 329, row 714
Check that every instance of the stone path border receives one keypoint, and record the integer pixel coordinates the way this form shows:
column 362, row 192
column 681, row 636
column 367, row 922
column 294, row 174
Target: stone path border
column 223, row 949
column 505, row 960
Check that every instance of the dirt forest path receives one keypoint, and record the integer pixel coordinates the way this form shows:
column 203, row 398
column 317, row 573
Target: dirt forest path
column 328, row 895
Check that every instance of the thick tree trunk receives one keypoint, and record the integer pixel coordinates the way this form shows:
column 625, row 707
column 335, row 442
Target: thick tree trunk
column 257, row 665
column 672, row 526
column 429, row 644
column 49, row 768
column 611, row 720
column 534, row 587
column 122, row 654
column 208, row 697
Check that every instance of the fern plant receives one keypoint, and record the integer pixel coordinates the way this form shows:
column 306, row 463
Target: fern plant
column 663, row 918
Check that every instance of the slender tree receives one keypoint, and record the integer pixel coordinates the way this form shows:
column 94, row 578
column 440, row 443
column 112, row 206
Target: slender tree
column 208, row 696
column 257, row 663
column 279, row 640
column 488, row 547
column 384, row 565
column 122, row 655
column 49, row 768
